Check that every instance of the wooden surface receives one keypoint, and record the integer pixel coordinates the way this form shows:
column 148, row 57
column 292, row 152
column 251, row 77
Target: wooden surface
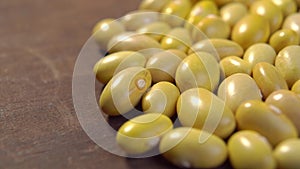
column 40, row 41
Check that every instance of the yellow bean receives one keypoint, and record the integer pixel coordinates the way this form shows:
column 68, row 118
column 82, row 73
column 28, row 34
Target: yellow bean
column 267, row 120
column 111, row 64
column 251, row 29
column 268, row 78
column 183, row 147
column 246, row 144
column 143, row 133
column 233, row 64
column 288, row 64
column 237, row 88
column 163, row 65
column 105, row 29
column 161, row 98
column 124, row 90
column 288, row 103
column 287, row 154
column 200, row 108
column 198, row 70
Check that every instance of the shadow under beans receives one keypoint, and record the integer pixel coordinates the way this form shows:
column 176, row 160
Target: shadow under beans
column 117, row 121
column 159, row 162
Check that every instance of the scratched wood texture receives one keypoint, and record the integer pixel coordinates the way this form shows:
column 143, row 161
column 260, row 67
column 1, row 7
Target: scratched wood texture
column 39, row 43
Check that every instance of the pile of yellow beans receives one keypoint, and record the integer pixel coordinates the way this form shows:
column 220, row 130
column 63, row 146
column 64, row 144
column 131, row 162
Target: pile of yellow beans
column 229, row 71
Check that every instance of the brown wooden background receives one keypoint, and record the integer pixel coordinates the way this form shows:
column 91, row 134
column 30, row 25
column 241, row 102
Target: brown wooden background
column 39, row 43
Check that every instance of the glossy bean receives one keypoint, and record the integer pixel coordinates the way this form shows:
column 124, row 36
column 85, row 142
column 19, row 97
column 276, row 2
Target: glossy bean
column 161, row 98
column 177, row 38
column 268, row 78
column 175, row 12
column 200, row 10
column 184, row 147
column 124, row 90
column 132, row 42
column 198, row 70
column 232, row 12
column 270, row 11
column 237, row 88
column 288, row 64
column 220, row 48
column 233, row 64
column 105, row 29
column 287, row 6
column 211, row 24
column 111, row 64
column 260, row 52
column 289, row 104
column 283, row 38
column 156, row 30
column 200, row 108
column 267, row 120
column 163, row 65
column 251, row 29
column 246, row 144
column 287, row 154
column 293, row 22
column 143, row 133
column 137, row 19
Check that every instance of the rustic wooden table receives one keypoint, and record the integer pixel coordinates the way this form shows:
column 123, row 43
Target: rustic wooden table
column 40, row 41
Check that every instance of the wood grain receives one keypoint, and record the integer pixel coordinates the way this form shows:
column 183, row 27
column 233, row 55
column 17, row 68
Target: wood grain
column 40, row 41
